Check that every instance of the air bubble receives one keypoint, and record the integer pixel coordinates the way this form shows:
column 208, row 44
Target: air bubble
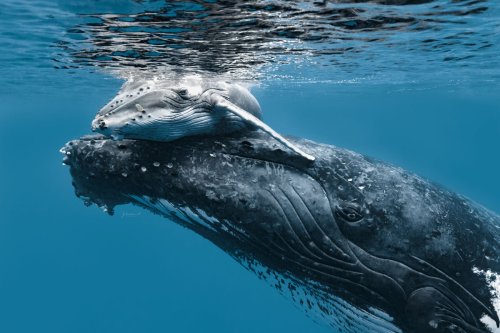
column 124, row 174
column 170, row 165
column 144, row 169
column 156, row 164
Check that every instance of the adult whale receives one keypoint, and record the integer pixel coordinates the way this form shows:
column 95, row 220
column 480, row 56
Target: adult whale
column 365, row 245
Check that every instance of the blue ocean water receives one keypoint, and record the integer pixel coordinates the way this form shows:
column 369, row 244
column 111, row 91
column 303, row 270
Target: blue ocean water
column 414, row 83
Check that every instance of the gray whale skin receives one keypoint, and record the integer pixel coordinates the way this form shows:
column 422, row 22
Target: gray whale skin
column 364, row 245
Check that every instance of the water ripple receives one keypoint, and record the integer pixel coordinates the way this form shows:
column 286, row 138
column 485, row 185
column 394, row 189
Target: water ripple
column 306, row 41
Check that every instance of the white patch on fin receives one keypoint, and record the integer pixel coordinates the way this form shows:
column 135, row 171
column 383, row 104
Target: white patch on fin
column 493, row 280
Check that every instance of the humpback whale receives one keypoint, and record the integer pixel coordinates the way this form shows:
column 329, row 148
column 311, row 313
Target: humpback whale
column 364, row 245
column 159, row 110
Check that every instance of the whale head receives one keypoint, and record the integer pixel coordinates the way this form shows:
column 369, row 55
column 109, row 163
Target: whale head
column 364, row 245
column 167, row 110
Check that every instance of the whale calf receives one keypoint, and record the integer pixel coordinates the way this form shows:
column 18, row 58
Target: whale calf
column 167, row 110
column 364, row 245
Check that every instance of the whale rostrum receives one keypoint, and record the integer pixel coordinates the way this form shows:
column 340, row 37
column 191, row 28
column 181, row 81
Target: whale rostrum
column 364, row 245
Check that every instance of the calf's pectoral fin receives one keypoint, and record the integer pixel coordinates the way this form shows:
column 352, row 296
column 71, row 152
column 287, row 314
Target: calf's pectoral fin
column 223, row 103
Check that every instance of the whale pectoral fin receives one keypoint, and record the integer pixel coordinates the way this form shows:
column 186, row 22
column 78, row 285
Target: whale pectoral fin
column 428, row 310
column 221, row 102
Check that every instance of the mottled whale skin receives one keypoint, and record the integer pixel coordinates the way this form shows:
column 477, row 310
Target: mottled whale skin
column 362, row 244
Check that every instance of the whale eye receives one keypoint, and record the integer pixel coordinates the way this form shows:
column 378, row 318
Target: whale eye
column 350, row 212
